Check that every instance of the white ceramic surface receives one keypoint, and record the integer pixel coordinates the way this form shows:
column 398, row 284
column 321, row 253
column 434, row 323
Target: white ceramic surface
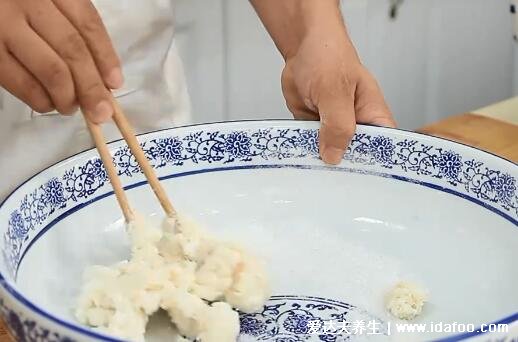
column 401, row 206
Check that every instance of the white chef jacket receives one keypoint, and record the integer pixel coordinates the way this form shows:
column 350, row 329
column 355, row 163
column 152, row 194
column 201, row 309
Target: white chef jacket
column 154, row 95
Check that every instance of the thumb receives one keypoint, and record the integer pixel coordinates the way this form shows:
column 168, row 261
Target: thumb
column 337, row 126
column 384, row 121
column 370, row 105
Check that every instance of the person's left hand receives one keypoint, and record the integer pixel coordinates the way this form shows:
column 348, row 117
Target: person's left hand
column 325, row 79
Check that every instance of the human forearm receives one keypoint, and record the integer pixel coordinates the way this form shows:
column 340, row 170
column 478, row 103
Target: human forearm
column 290, row 21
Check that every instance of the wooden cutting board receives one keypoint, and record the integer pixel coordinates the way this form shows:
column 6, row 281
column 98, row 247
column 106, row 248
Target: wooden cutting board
column 4, row 335
column 492, row 135
column 498, row 137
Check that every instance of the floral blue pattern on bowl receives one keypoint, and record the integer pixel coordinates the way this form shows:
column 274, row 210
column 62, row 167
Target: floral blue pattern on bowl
column 81, row 182
column 299, row 319
column 285, row 318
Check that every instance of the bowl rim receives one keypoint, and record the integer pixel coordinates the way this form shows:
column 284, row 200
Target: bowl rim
column 85, row 331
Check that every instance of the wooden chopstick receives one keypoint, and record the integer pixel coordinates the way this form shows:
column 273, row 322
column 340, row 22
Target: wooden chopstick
column 129, row 135
column 106, row 158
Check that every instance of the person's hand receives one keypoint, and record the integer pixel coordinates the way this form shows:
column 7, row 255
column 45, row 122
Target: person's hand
column 56, row 55
column 325, row 79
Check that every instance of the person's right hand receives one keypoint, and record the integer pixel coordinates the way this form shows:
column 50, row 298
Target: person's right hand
column 57, row 55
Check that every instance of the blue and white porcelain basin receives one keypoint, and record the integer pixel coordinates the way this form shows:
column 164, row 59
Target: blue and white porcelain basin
column 400, row 206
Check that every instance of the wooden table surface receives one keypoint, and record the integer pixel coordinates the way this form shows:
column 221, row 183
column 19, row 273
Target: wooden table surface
column 4, row 335
column 498, row 137
column 495, row 136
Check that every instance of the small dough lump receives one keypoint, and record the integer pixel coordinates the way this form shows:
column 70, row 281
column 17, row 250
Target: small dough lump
column 406, row 300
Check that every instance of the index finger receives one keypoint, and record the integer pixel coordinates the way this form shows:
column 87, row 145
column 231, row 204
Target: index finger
column 58, row 32
column 85, row 18
column 337, row 126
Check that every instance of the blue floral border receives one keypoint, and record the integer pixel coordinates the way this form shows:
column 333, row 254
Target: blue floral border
column 301, row 319
column 80, row 182
column 28, row 330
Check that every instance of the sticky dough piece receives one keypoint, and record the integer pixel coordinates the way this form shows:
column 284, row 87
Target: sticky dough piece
column 406, row 300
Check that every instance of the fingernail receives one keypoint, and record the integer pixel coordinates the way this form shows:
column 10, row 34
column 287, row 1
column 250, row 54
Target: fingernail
column 103, row 111
column 115, row 78
column 333, row 155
